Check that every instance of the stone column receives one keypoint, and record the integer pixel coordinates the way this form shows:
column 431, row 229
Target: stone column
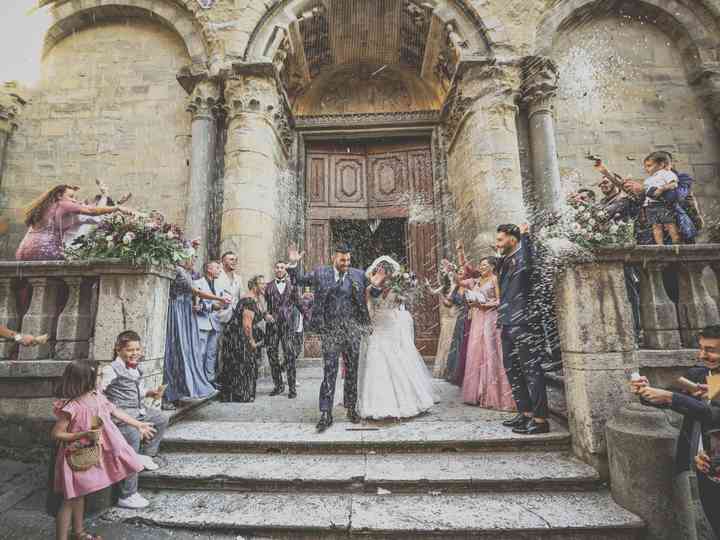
column 484, row 172
column 256, row 152
column 598, row 348
column 202, row 105
column 539, row 89
column 41, row 316
column 9, row 107
column 8, row 315
column 706, row 81
column 74, row 325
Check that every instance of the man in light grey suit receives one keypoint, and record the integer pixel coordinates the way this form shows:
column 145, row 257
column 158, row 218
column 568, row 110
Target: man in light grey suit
column 207, row 313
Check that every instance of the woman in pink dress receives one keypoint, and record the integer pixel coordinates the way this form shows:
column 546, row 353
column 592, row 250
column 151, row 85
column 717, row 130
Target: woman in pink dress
column 485, row 382
column 80, row 402
column 48, row 217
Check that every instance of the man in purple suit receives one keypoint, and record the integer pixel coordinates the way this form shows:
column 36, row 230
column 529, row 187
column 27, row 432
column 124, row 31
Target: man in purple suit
column 283, row 306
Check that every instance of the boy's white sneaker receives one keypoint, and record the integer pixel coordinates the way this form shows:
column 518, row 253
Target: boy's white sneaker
column 148, row 463
column 134, row 502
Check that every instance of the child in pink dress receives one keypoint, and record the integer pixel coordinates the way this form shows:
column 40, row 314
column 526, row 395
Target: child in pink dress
column 79, row 403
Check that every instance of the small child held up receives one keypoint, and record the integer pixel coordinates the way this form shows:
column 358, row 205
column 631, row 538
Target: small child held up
column 123, row 385
column 660, row 182
column 77, row 411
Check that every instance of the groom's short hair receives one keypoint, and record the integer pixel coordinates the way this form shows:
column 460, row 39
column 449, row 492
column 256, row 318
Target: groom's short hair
column 343, row 247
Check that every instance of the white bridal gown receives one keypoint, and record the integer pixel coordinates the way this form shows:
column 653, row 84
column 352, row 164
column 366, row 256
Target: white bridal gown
column 393, row 380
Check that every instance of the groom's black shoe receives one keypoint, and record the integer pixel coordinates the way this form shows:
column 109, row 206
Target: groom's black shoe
column 533, row 428
column 292, row 394
column 278, row 390
column 326, row 420
column 353, row 416
column 520, row 420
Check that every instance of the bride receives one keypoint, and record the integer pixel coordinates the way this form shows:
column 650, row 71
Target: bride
column 393, row 381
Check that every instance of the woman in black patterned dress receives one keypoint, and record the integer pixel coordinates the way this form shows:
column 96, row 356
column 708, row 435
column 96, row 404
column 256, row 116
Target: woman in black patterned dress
column 242, row 341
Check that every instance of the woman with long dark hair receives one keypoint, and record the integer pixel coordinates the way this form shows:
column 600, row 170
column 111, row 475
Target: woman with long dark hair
column 47, row 219
column 242, row 341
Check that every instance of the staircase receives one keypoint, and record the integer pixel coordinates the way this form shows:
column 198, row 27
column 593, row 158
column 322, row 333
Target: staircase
column 260, row 471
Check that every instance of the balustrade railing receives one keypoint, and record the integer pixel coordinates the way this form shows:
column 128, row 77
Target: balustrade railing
column 678, row 291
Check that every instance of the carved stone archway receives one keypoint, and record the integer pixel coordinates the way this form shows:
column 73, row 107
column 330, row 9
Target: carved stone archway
column 70, row 17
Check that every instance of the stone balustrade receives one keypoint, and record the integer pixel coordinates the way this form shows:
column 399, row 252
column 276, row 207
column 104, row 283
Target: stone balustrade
column 630, row 444
column 82, row 307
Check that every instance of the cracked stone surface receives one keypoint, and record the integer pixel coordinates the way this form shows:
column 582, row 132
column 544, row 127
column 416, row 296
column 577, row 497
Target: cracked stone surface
column 470, row 468
column 459, row 514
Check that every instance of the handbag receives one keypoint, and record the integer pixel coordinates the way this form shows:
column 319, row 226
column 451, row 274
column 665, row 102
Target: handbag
column 82, row 457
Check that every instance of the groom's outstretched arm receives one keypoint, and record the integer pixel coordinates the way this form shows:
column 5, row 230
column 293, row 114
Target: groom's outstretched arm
column 300, row 278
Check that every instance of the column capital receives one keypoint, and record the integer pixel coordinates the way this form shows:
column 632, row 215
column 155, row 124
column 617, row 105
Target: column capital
column 256, row 92
column 540, row 83
column 494, row 85
column 10, row 106
column 204, row 99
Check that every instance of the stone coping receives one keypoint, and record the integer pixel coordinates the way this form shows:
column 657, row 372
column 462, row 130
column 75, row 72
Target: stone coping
column 32, row 369
column 649, row 358
column 646, row 254
column 91, row 267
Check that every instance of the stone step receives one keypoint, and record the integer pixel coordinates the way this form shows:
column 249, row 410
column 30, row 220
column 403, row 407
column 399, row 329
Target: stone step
column 540, row 516
column 343, row 437
column 356, row 473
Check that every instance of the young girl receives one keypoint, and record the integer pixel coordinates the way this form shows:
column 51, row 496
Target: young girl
column 79, row 403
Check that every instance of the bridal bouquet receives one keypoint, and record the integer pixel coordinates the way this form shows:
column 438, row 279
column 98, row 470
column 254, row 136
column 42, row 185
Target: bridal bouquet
column 590, row 227
column 405, row 285
column 135, row 239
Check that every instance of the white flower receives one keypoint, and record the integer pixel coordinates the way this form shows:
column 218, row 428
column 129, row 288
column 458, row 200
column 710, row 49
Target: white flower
column 598, row 237
column 592, row 222
column 109, row 239
column 614, row 229
column 129, row 237
column 170, row 235
column 406, row 276
column 577, row 227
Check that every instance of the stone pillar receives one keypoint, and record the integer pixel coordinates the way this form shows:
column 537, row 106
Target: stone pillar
column 133, row 299
column 203, row 107
column 10, row 105
column 8, row 315
column 706, row 81
column 696, row 308
column 641, row 449
column 74, row 325
column 658, row 314
column 256, row 152
column 484, row 172
column 41, row 315
column 598, row 348
column 539, row 89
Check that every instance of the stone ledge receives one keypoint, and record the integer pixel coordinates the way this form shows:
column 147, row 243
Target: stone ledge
column 32, row 369
column 644, row 254
column 648, row 358
column 92, row 267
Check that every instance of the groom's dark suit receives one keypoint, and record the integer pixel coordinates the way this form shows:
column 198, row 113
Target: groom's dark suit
column 340, row 315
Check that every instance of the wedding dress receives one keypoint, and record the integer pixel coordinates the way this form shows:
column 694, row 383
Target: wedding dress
column 393, row 380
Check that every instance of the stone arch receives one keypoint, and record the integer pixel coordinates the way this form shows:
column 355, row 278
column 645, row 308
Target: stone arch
column 695, row 30
column 73, row 16
column 483, row 32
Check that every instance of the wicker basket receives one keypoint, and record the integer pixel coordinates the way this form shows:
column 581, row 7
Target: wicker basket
column 84, row 458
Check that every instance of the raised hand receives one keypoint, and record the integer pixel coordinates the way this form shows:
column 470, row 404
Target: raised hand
column 524, row 228
column 294, row 256
column 125, row 198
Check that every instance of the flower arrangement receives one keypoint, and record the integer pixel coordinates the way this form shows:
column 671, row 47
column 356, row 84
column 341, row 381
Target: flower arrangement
column 135, row 239
column 590, row 227
column 404, row 284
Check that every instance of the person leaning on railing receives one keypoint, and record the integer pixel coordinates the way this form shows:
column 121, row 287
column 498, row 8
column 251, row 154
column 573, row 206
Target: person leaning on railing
column 700, row 417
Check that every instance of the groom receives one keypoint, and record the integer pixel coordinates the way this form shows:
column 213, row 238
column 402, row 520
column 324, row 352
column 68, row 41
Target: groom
column 340, row 315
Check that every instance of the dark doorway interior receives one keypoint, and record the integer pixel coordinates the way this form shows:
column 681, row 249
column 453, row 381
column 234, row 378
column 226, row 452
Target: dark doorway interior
column 370, row 239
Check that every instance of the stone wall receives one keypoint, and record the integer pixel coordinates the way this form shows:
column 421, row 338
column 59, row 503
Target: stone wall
column 109, row 107
column 623, row 93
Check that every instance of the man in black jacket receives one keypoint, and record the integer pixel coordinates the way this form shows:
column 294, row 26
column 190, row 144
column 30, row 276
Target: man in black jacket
column 700, row 417
column 520, row 357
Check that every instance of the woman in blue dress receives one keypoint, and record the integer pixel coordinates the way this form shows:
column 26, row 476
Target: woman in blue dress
column 184, row 374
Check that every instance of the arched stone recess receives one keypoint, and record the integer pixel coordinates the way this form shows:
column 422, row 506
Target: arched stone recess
column 306, row 39
column 635, row 76
column 72, row 16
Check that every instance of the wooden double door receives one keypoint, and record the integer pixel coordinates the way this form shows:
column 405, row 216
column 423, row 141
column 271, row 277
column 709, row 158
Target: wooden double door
column 379, row 196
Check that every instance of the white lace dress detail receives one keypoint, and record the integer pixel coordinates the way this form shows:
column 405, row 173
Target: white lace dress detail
column 393, row 380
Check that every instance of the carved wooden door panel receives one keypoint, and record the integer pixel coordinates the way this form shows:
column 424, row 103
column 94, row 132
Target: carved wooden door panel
column 422, row 242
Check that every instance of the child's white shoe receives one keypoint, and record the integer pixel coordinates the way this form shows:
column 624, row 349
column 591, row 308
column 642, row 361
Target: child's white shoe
column 134, row 502
column 148, row 463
